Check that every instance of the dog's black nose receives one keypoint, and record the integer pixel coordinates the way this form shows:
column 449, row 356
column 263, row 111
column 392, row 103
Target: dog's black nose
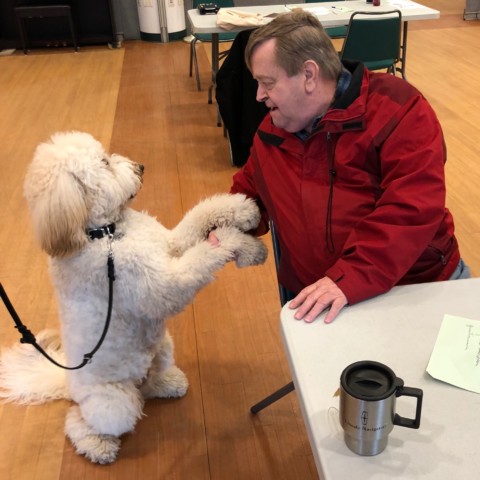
column 141, row 167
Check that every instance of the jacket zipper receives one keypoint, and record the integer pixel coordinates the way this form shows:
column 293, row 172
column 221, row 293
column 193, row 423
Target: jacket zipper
column 440, row 254
column 331, row 174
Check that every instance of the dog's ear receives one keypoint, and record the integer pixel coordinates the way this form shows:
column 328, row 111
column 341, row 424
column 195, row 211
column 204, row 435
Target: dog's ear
column 58, row 211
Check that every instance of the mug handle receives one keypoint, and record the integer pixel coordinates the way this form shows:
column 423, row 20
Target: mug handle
column 409, row 422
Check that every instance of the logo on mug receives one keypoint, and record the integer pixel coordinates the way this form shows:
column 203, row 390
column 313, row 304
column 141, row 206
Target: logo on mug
column 364, row 417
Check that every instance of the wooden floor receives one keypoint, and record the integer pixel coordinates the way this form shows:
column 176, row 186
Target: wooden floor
column 139, row 101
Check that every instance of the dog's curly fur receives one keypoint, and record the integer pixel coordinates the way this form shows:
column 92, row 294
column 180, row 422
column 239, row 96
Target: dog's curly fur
column 72, row 185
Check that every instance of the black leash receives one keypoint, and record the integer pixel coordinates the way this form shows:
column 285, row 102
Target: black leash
column 29, row 337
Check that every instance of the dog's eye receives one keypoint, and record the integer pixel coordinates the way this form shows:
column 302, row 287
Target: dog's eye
column 105, row 161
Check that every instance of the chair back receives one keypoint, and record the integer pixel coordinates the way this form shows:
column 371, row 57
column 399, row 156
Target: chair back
column 374, row 38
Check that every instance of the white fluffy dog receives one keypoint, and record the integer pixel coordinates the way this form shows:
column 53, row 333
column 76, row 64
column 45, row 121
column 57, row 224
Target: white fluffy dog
column 77, row 195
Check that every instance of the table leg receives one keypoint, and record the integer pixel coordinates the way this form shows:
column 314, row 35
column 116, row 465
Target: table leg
column 215, row 51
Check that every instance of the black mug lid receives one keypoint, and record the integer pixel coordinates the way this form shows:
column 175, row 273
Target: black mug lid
column 369, row 380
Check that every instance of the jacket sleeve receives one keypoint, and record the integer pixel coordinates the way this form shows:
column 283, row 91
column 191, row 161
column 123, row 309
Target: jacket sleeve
column 385, row 245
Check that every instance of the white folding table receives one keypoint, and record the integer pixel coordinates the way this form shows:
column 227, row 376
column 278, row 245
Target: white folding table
column 411, row 11
column 398, row 329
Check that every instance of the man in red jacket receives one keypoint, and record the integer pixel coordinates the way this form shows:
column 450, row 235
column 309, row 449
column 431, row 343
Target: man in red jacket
column 349, row 165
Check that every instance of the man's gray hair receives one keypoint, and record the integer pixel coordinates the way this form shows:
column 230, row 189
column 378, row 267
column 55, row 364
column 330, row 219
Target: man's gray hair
column 299, row 37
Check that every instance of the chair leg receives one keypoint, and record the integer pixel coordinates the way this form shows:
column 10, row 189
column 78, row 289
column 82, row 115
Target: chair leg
column 210, row 93
column 280, row 393
column 219, row 119
column 72, row 31
column 194, row 60
column 210, row 101
column 23, row 35
column 392, row 70
column 191, row 58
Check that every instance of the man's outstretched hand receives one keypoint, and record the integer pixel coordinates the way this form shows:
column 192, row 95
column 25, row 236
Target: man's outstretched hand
column 315, row 298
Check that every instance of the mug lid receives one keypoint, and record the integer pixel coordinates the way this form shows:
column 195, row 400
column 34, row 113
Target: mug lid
column 368, row 380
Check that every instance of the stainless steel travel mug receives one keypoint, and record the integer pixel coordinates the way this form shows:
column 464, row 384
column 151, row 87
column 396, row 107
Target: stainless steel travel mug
column 368, row 392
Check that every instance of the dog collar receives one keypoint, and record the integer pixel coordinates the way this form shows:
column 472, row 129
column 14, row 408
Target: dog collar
column 100, row 232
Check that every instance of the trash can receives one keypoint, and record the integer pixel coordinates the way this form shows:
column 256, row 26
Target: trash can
column 161, row 20
column 175, row 19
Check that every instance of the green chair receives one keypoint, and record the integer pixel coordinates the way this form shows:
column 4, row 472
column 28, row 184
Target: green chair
column 374, row 38
column 333, row 32
column 207, row 38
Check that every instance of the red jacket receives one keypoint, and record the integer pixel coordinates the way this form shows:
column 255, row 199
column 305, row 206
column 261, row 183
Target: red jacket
column 362, row 201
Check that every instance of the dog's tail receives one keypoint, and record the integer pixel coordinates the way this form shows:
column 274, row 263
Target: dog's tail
column 27, row 377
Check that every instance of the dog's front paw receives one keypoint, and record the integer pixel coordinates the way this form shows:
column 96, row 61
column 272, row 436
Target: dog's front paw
column 234, row 210
column 245, row 249
column 253, row 252
column 246, row 212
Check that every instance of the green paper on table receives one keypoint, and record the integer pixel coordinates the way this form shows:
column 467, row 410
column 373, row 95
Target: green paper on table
column 456, row 355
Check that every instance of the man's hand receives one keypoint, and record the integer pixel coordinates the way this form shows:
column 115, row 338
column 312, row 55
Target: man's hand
column 315, row 298
column 213, row 239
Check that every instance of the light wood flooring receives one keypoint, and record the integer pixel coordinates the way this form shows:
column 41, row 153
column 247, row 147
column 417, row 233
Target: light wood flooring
column 140, row 101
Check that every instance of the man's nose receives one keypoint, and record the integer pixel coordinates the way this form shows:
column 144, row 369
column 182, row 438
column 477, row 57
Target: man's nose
column 261, row 94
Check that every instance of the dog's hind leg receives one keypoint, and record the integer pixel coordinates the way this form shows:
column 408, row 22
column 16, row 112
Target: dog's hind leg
column 110, row 408
column 165, row 379
column 104, row 412
column 96, row 447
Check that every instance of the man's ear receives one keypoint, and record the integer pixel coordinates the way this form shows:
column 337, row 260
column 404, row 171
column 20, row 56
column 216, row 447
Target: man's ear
column 312, row 73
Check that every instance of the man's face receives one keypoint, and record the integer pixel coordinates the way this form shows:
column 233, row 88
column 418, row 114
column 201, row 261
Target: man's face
column 293, row 101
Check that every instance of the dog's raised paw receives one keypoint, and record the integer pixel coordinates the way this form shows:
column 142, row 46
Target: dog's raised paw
column 254, row 252
column 231, row 210
column 246, row 249
column 246, row 213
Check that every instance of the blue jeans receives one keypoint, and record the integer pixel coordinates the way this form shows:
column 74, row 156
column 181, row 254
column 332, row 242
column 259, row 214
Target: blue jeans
column 462, row 271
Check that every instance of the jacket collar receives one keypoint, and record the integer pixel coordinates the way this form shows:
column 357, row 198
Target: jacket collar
column 354, row 89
